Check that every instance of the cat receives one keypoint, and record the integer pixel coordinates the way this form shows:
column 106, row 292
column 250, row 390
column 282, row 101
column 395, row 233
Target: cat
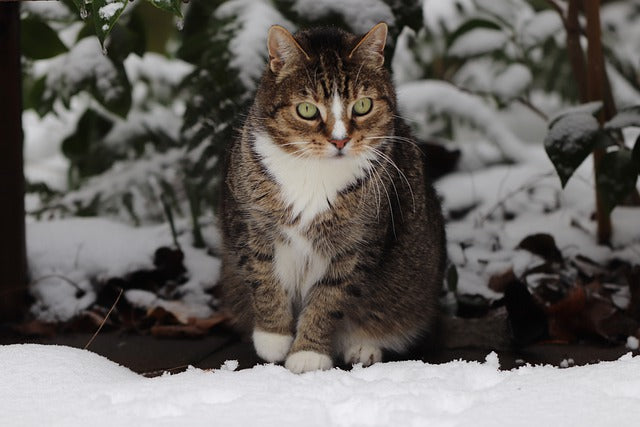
column 333, row 240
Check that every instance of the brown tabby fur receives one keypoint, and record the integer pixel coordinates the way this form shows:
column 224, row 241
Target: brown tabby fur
column 383, row 234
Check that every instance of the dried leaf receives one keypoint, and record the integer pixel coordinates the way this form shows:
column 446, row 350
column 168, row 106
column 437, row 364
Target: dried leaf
column 36, row 328
column 499, row 282
column 209, row 322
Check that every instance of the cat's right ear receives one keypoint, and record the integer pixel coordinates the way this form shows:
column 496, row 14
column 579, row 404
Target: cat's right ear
column 283, row 48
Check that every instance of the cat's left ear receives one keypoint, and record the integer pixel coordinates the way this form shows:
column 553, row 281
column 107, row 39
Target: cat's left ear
column 283, row 48
column 371, row 46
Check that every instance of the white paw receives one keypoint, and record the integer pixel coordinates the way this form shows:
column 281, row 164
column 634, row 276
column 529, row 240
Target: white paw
column 305, row 361
column 271, row 347
column 363, row 353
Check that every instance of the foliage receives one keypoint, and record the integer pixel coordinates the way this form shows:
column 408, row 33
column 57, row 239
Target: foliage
column 148, row 132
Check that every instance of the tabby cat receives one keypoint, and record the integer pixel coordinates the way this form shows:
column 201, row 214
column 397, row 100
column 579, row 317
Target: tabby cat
column 334, row 242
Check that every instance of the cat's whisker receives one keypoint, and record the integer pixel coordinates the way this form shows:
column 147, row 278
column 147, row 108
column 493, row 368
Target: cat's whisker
column 408, row 119
column 358, row 75
column 393, row 223
column 400, row 173
column 372, row 181
column 394, row 187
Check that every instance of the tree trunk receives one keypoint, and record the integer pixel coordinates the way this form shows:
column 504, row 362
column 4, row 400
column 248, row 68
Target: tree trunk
column 13, row 264
column 596, row 85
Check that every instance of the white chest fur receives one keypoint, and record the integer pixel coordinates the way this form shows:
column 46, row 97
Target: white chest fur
column 308, row 186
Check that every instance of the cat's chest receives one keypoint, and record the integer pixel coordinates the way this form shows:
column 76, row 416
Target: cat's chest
column 308, row 186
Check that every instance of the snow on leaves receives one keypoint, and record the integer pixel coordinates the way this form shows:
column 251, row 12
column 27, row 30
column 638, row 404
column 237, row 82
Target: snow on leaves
column 570, row 140
column 575, row 133
column 105, row 16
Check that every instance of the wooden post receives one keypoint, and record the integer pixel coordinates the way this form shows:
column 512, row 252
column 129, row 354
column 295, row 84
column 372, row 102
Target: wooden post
column 13, row 264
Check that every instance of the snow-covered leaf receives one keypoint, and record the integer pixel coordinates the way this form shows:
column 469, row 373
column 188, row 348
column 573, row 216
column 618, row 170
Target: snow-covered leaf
column 471, row 25
column 359, row 15
column 478, row 41
column 512, row 81
column 590, row 108
column 172, row 6
column 38, row 40
column 105, row 15
column 617, row 177
column 626, row 117
column 571, row 138
column 84, row 67
column 542, row 26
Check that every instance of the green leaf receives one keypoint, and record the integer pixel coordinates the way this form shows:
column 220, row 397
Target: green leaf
column 85, row 149
column 105, row 15
column 33, row 97
column 571, row 138
column 38, row 40
column 470, row 25
column 617, row 177
column 172, row 6
column 627, row 117
column 452, row 278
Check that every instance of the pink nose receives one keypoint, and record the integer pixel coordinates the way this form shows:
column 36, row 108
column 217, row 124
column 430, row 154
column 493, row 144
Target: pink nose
column 339, row 143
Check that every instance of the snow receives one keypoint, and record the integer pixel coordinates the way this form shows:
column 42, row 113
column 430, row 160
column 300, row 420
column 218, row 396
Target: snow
column 73, row 387
column 543, row 25
column 633, row 343
column 249, row 45
column 359, row 15
column 84, row 61
column 439, row 97
column 79, row 253
column 512, row 81
column 477, row 42
column 483, row 243
column 440, row 15
column 108, row 11
column 43, row 136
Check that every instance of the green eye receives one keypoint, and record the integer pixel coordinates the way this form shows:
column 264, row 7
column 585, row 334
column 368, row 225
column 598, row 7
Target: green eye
column 307, row 110
column 362, row 106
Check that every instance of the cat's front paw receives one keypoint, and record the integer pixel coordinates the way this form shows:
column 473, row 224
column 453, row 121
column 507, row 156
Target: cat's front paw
column 270, row 346
column 363, row 353
column 305, row 361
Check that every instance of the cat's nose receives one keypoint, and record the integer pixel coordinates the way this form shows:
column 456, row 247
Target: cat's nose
column 340, row 143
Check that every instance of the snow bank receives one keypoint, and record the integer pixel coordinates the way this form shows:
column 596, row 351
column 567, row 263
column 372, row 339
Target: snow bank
column 71, row 255
column 72, row 387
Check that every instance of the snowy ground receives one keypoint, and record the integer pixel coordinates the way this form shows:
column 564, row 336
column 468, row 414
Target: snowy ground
column 61, row 386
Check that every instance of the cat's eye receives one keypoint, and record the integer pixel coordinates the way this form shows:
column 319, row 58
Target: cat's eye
column 307, row 110
column 362, row 106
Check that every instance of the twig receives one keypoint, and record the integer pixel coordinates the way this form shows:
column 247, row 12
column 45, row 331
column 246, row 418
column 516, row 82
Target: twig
column 556, row 6
column 104, row 320
column 524, row 101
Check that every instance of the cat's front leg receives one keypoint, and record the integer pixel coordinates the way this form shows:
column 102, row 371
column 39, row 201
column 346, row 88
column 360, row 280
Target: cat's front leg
column 273, row 319
column 312, row 347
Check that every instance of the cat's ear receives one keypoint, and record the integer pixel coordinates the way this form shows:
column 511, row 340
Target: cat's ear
column 282, row 47
column 371, row 45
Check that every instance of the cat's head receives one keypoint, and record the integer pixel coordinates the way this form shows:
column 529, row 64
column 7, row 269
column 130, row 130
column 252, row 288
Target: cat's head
column 325, row 92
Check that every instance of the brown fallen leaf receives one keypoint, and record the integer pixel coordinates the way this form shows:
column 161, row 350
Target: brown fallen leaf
column 36, row 328
column 209, row 322
column 499, row 281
